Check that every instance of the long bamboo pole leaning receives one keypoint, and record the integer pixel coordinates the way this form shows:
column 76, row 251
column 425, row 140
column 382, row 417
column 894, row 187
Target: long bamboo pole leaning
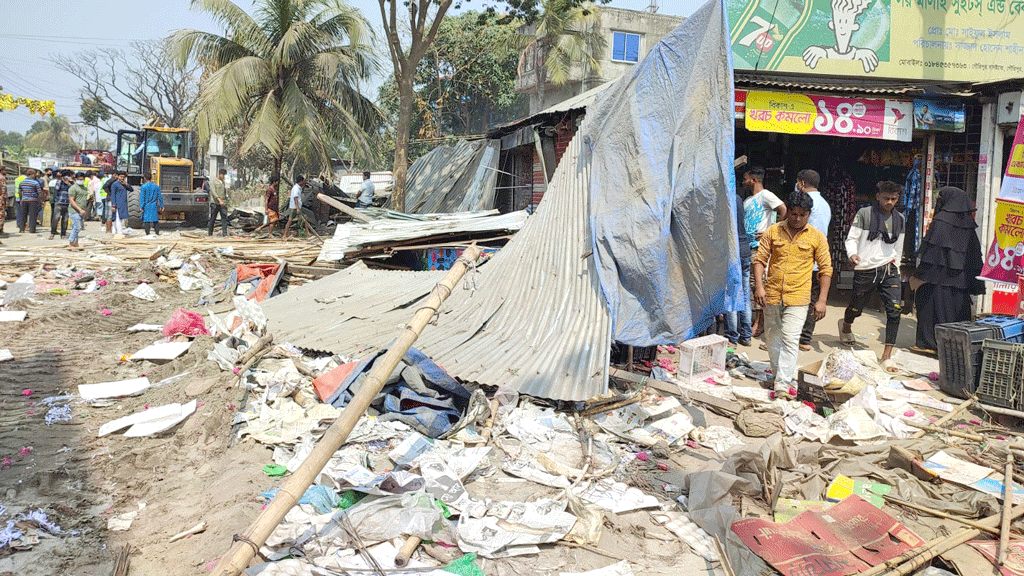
column 242, row 551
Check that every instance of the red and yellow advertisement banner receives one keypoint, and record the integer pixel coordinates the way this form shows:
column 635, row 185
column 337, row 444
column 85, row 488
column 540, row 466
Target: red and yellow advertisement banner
column 829, row 116
column 1005, row 256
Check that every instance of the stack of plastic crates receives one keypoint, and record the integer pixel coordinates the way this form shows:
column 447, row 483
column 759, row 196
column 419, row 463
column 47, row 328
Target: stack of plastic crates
column 960, row 355
column 1002, row 374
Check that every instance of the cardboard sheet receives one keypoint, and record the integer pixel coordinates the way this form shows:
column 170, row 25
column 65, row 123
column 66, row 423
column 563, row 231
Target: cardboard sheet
column 849, row 537
column 162, row 351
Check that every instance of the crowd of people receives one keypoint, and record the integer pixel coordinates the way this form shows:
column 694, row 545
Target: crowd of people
column 785, row 254
column 76, row 197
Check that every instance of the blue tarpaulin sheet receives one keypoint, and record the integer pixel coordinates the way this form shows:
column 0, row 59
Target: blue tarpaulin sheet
column 662, row 186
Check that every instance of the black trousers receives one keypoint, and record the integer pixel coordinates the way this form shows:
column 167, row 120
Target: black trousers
column 59, row 212
column 156, row 227
column 28, row 214
column 886, row 281
column 215, row 209
column 812, row 318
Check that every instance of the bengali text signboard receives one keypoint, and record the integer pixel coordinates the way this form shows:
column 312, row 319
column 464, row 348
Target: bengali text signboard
column 1004, row 260
column 955, row 40
column 829, row 116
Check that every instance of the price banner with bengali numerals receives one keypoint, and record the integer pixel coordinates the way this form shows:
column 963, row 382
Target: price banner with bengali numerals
column 1004, row 259
column 1005, row 255
column 880, row 119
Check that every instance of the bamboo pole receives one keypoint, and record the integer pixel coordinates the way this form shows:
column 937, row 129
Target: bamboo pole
column 939, row 514
column 915, row 558
column 953, row 414
column 241, row 552
column 255, row 348
column 408, row 547
column 1004, row 530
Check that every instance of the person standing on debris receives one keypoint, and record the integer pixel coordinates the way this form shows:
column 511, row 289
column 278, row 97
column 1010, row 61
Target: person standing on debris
column 366, row 191
column 737, row 324
column 821, row 218
column 78, row 198
column 3, row 199
column 108, row 192
column 273, row 205
column 789, row 250
column 949, row 265
column 59, row 204
column 760, row 210
column 32, row 195
column 875, row 245
column 151, row 202
column 119, row 202
column 295, row 202
column 218, row 204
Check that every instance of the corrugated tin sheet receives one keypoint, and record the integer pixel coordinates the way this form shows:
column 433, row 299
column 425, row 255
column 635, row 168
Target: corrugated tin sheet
column 353, row 236
column 831, row 84
column 537, row 321
column 457, row 178
column 578, row 102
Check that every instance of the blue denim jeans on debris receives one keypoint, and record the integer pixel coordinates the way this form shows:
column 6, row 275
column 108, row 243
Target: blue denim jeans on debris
column 742, row 332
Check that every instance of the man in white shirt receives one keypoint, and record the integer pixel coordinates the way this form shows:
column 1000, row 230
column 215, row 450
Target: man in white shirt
column 760, row 210
column 295, row 202
column 99, row 206
column 821, row 218
column 875, row 247
column 365, row 192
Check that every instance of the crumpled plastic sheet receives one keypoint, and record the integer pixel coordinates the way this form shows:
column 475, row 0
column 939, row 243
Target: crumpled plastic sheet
column 413, row 514
column 322, row 498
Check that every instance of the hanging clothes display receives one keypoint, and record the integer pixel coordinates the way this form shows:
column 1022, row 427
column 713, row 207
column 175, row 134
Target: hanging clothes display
column 912, row 207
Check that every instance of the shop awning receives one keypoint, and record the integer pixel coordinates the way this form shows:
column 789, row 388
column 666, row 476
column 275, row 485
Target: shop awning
column 851, row 86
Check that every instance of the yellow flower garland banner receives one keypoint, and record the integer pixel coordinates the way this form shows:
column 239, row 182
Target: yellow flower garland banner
column 41, row 107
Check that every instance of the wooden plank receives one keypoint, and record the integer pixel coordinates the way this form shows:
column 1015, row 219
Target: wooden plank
column 350, row 211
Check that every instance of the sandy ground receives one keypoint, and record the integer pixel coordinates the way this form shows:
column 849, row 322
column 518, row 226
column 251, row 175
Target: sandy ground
column 195, row 472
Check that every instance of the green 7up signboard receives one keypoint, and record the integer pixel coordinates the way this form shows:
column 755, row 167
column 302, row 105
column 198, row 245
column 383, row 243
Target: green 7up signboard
column 955, row 40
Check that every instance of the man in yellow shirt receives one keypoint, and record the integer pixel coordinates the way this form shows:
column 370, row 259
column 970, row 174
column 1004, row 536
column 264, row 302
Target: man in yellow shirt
column 789, row 250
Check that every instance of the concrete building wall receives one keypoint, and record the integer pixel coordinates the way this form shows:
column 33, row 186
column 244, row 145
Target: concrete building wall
column 649, row 26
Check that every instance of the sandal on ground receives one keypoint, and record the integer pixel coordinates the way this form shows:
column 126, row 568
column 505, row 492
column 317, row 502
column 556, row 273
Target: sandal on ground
column 805, row 347
column 846, row 338
column 924, row 351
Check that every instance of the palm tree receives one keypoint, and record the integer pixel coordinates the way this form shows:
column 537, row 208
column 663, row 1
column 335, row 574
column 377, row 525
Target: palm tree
column 288, row 78
column 565, row 35
column 52, row 134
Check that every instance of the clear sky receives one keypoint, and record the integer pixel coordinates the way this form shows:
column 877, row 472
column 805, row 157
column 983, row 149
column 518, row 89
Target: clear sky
column 33, row 30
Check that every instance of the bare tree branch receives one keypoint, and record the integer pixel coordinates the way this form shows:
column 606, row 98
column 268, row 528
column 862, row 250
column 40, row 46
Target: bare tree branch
column 137, row 86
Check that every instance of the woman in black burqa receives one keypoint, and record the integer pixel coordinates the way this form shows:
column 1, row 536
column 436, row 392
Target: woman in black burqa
column 948, row 265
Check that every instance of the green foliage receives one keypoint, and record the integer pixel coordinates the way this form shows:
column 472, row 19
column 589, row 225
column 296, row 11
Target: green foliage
column 529, row 11
column 52, row 135
column 566, row 35
column 287, row 77
column 93, row 111
column 464, row 84
column 11, row 140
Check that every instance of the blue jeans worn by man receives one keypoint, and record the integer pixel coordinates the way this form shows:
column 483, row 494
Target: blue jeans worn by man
column 740, row 334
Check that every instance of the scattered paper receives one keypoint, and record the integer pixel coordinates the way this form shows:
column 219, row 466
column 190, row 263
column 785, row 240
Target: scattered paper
column 144, row 292
column 920, row 384
column 122, row 522
column 13, row 315
column 1013, row 565
column 515, row 528
column 618, row 569
column 615, row 496
column 162, row 351
column 146, row 328
column 118, row 389
column 973, row 476
column 6, row 355
column 149, row 422
column 914, row 397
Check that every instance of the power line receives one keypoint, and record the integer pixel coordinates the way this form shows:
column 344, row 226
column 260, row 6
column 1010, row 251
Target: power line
column 43, row 37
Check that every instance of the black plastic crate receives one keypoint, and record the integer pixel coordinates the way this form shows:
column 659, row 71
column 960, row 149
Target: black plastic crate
column 1002, row 374
column 960, row 355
